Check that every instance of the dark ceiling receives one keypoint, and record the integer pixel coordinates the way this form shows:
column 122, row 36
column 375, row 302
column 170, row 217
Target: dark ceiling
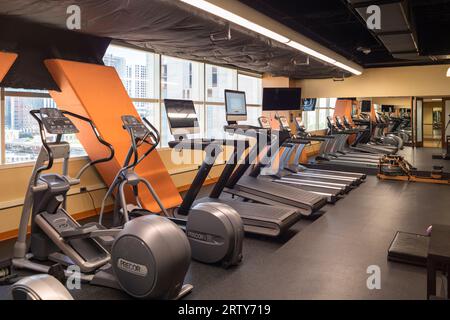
column 340, row 26
column 168, row 27
column 413, row 32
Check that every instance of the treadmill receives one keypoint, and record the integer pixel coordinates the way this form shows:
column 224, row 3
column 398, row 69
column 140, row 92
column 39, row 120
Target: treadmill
column 330, row 153
column 356, row 177
column 259, row 219
column 347, row 180
column 245, row 182
column 347, row 150
column 364, row 142
column 331, row 189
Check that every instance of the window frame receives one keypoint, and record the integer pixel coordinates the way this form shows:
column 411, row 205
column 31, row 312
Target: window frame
column 317, row 127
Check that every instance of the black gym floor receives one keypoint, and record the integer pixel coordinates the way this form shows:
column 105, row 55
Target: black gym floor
column 326, row 258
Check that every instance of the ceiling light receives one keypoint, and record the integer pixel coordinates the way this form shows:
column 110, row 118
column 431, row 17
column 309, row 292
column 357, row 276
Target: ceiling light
column 234, row 18
column 311, row 52
column 350, row 69
column 448, row 72
column 227, row 15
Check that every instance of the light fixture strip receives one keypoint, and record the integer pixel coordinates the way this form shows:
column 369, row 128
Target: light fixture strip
column 234, row 18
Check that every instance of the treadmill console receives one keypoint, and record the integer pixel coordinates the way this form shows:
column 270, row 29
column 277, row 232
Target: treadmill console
column 264, row 122
column 138, row 129
column 284, row 123
column 299, row 123
column 55, row 122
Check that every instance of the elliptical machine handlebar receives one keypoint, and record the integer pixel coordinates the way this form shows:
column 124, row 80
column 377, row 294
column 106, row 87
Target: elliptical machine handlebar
column 146, row 130
column 51, row 122
column 99, row 138
column 44, row 143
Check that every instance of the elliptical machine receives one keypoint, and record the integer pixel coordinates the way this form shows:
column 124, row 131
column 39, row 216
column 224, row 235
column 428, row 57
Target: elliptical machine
column 215, row 230
column 382, row 138
column 149, row 256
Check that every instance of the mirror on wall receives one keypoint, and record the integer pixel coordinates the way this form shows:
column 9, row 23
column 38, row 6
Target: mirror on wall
column 394, row 114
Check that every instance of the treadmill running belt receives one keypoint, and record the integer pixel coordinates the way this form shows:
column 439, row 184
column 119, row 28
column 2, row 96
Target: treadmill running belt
column 260, row 218
column 283, row 194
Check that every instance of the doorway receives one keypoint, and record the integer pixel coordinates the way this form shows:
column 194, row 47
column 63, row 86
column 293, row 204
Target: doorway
column 433, row 123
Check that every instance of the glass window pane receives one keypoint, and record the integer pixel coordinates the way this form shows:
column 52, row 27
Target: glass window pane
column 217, row 80
column 252, row 87
column 215, row 121
column 22, row 139
column 311, row 120
column 137, row 69
column 322, row 103
column 150, row 111
column 323, row 113
column 181, row 79
column 253, row 114
column 333, row 103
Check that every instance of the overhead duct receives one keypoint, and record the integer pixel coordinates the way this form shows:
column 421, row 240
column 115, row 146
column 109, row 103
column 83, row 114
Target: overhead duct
column 397, row 34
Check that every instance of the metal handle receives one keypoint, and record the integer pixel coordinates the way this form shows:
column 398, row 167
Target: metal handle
column 45, row 144
column 99, row 138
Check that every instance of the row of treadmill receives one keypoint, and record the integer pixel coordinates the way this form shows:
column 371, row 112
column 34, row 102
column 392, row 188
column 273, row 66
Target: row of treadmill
column 263, row 190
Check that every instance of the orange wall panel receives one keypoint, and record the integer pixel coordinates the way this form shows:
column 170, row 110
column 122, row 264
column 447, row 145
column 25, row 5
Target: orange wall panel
column 97, row 92
column 6, row 61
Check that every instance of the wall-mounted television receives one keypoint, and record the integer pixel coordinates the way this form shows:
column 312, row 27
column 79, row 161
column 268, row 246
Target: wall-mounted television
column 279, row 99
column 366, row 106
column 309, row 104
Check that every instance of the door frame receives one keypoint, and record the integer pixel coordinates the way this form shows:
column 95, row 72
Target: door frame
column 445, row 116
column 417, row 144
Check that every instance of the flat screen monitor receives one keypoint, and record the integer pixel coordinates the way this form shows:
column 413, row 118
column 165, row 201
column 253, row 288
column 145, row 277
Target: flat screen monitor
column 278, row 99
column 236, row 105
column 309, row 104
column 366, row 106
column 385, row 108
column 182, row 117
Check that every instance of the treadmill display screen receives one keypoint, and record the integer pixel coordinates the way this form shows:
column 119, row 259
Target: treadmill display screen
column 181, row 113
column 277, row 99
column 235, row 102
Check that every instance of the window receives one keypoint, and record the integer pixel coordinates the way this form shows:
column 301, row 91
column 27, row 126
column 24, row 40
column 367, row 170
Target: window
column 215, row 121
column 148, row 79
column 317, row 120
column 182, row 79
column 138, row 70
column 214, row 77
column 217, row 80
column 252, row 87
column 22, row 141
